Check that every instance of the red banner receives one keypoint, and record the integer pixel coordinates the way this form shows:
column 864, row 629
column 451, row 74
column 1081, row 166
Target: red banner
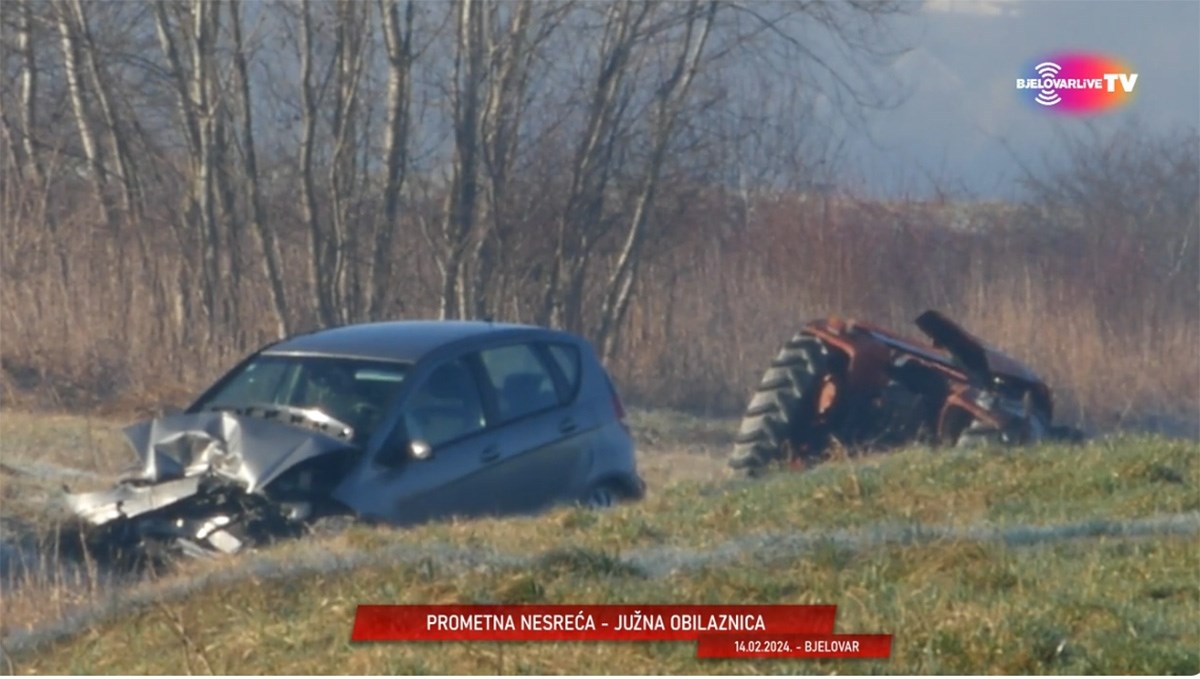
column 794, row 646
column 584, row 623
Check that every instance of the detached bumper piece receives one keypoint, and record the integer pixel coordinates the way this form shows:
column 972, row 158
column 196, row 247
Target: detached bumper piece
column 127, row 501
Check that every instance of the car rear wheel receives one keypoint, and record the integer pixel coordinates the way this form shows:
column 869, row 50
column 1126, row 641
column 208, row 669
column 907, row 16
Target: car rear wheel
column 602, row 496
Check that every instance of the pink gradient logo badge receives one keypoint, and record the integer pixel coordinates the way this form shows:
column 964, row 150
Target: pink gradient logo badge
column 1077, row 83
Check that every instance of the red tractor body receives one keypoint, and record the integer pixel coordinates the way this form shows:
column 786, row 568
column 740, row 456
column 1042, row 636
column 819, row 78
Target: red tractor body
column 860, row 384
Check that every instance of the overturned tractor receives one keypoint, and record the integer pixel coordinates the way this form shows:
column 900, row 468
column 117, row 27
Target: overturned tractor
column 860, row 385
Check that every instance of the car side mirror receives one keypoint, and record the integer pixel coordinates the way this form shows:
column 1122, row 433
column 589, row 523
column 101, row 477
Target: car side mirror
column 419, row 450
column 170, row 410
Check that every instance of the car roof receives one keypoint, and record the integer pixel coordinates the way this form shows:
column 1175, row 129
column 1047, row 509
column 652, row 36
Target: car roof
column 404, row 341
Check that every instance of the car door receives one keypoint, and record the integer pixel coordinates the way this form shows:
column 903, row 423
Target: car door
column 533, row 429
column 581, row 420
column 446, row 413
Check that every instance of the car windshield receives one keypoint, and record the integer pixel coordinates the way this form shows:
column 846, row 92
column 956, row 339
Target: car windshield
column 354, row 391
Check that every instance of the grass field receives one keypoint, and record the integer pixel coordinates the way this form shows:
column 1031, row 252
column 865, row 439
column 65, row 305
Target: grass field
column 1045, row 560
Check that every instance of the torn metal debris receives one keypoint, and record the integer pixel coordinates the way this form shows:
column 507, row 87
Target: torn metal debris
column 206, row 480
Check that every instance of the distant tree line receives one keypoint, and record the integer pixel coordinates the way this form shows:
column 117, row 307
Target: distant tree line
column 308, row 161
column 182, row 181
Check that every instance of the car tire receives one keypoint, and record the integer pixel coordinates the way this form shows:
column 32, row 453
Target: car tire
column 602, row 496
column 782, row 408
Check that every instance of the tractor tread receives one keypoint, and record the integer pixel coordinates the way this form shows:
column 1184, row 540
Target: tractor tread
column 776, row 410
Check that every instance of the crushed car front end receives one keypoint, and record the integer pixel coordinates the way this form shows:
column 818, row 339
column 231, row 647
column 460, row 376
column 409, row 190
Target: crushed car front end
column 216, row 482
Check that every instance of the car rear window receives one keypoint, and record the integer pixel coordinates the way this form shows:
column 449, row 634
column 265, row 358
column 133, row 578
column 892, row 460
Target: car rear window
column 446, row 407
column 522, row 383
column 566, row 357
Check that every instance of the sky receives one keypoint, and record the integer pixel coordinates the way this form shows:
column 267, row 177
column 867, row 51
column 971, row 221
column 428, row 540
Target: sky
column 964, row 126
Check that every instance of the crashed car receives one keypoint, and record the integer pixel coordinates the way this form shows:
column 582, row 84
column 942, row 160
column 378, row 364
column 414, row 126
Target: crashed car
column 396, row 422
column 858, row 384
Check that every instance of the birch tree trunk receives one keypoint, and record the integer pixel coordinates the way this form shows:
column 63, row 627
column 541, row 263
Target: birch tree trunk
column 462, row 201
column 671, row 102
column 398, row 39
column 591, row 169
column 319, row 283
column 259, row 221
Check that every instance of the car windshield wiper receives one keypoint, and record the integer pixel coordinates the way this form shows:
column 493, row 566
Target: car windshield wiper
column 311, row 418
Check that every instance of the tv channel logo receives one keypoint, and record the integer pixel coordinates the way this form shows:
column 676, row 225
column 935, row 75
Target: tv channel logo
column 1077, row 83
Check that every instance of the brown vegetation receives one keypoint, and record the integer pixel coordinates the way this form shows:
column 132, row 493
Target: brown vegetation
column 185, row 181
column 1092, row 282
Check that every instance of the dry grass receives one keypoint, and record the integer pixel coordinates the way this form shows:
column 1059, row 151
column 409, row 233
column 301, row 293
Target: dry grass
column 1112, row 333
column 1106, row 606
column 39, row 455
column 959, row 599
column 1095, row 604
column 82, row 442
column 1112, row 336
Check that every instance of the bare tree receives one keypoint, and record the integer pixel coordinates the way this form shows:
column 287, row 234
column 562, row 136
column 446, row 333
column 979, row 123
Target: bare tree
column 671, row 97
column 197, row 93
column 312, row 214
column 541, row 153
column 29, row 93
column 466, row 93
column 1131, row 195
column 70, row 41
column 259, row 220
column 100, row 84
column 350, row 49
column 398, row 39
column 27, row 158
column 591, row 168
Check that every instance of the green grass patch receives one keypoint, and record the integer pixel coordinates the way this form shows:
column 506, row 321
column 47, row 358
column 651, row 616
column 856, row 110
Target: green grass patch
column 1111, row 480
column 1107, row 607
column 961, row 603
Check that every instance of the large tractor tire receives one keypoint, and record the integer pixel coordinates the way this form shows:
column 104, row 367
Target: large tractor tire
column 779, row 422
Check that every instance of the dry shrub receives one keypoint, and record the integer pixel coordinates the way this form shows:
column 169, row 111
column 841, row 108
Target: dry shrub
column 1100, row 297
column 1115, row 340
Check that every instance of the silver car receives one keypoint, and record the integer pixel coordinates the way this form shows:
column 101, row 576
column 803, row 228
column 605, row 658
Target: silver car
column 397, row 422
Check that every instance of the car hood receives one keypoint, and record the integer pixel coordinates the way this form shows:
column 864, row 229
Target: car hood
column 251, row 451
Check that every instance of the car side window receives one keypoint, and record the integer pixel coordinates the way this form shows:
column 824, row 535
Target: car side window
column 566, row 357
column 520, row 380
column 446, row 407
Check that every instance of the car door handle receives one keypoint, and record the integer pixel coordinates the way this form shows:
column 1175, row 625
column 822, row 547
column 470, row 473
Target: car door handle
column 490, row 453
column 567, row 426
